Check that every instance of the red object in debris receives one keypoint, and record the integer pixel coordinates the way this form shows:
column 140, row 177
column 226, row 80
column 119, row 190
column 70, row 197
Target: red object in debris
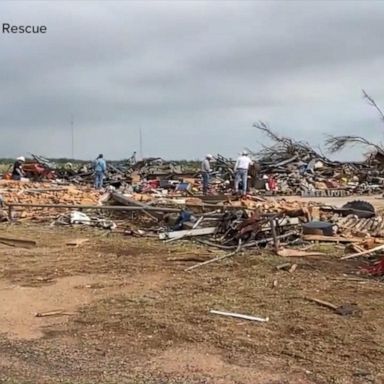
column 331, row 184
column 150, row 185
column 376, row 269
column 153, row 184
column 272, row 184
column 36, row 171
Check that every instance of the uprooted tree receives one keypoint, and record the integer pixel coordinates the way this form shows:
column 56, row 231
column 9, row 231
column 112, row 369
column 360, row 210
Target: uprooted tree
column 337, row 143
column 284, row 147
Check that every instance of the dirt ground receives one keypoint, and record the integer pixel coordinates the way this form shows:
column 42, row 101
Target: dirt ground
column 133, row 315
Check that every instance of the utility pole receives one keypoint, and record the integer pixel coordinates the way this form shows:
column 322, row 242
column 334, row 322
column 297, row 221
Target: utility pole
column 72, row 138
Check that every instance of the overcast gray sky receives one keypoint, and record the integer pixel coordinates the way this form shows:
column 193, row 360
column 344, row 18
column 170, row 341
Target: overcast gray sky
column 193, row 75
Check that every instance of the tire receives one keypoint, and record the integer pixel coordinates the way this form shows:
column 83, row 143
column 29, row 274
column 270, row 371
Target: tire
column 362, row 209
column 359, row 205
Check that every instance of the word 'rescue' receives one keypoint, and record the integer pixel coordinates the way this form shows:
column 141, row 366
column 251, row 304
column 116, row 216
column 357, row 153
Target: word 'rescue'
column 29, row 29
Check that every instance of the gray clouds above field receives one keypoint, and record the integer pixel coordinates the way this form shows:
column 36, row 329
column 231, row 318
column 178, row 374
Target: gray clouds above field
column 193, row 75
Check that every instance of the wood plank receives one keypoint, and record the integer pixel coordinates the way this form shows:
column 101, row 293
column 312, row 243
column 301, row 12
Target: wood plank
column 297, row 253
column 76, row 242
column 240, row 316
column 14, row 242
column 367, row 252
column 334, row 239
column 187, row 233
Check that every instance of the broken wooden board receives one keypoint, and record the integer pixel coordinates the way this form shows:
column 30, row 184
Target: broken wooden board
column 286, row 221
column 343, row 310
column 362, row 253
column 187, row 233
column 196, row 259
column 58, row 312
column 285, row 252
column 76, row 242
column 22, row 243
column 240, row 316
column 283, row 266
column 334, row 239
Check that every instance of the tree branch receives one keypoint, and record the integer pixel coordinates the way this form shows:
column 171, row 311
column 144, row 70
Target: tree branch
column 337, row 143
column 373, row 104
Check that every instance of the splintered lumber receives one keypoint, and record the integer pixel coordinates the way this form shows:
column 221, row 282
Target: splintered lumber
column 22, row 243
column 297, row 253
column 58, row 312
column 198, row 222
column 343, row 310
column 283, row 266
column 240, row 316
column 323, row 303
column 249, row 244
column 335, row 239
column 268, row 239
column 187, row 233
column 216, row 245
column 124, row 200
column 274, row 236
column 367, row 252
column 191, row 258
column 77, row 242
column 215, row 259
column 102, row 207
column 41, row 190
column 285, row 222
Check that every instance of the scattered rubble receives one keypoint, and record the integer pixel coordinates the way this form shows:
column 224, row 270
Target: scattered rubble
column 377, row 269
column 153, row 197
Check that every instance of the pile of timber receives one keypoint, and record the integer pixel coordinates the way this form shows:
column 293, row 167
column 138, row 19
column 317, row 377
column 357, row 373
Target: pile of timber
column 14, row 192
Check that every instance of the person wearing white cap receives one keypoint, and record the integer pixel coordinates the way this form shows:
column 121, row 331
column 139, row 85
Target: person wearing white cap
column 17, row 171
column 241, row 172
column 205, row 171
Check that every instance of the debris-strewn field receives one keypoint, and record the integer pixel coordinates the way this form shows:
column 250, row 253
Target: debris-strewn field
column 123, row 310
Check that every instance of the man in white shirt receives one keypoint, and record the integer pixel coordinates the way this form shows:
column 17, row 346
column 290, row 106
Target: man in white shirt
column 241, row 172
column 205, row 171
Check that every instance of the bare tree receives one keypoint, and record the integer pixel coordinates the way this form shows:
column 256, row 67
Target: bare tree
column 337, row 143
column 373, row 104
column 283, row 144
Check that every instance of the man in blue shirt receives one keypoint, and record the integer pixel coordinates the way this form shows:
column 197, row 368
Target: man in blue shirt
column 100, row 169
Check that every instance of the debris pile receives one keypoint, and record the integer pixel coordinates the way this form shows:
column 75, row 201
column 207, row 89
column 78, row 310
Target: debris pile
column 293, row 167
column 235, row 224
column 377, row 269
column 46, row 193
column 14, row 192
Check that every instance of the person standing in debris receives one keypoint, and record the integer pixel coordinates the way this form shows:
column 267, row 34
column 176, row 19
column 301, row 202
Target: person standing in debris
column 241, row 172
column 132, row 159
column 100, row 169
column 17, row 171
column 205, row 171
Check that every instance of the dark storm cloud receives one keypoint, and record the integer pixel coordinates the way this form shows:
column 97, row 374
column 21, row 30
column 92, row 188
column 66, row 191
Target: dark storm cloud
column 193, row 76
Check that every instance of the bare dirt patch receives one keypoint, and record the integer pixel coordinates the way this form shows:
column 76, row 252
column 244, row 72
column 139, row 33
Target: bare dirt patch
column 139, row 318
column 204, row 361
column 20, row 304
